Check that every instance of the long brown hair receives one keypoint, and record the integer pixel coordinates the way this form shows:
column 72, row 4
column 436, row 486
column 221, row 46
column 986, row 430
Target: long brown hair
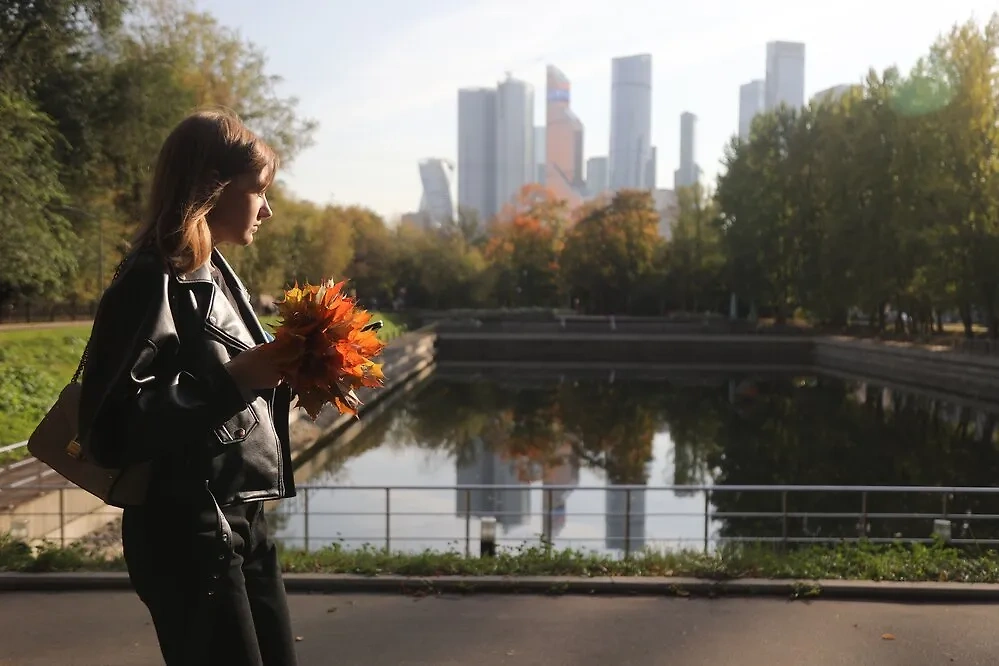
column 202, row 155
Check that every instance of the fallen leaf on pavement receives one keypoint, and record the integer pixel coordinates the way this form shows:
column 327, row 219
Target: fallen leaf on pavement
column 887, row 637
column 298, row 639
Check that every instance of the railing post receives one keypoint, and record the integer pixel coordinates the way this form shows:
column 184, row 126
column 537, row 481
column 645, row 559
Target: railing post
column 62, row 517
column 783, row 509
column 862, row 528
column 627, row 523
column 468, row 522
column 943, row 509
column 707, row 518
column 388, row 519
column 305, row 499
column 548, row 521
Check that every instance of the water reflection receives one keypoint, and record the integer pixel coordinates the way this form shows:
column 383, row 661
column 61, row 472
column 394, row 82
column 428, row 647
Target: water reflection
column 707, row 428
column 510, row 507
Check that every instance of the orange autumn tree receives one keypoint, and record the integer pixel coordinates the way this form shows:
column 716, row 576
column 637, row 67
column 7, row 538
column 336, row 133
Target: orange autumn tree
column 526, row 239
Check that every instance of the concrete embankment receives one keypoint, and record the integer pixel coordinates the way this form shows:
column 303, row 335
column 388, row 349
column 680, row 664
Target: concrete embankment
column 938, row 370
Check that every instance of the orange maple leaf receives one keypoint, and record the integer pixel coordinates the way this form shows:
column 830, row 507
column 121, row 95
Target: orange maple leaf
column 337, row 346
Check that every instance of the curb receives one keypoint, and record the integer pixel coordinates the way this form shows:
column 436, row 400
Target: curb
column 553, row 585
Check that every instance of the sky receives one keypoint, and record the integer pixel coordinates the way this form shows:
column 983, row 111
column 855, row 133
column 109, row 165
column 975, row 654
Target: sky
column 382, row 77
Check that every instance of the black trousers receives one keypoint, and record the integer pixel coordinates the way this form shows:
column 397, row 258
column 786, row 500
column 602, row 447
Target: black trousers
column 209, row 606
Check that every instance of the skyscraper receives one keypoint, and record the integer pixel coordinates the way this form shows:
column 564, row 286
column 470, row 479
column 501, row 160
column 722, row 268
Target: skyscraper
column 437, row 204
column 751, row 102
column 564, row 141
column 688, row 173
column 477, row 151
column 631, row 121
column 785, row 75
column 515, row 165
column 539, row 154
column 596, row 176
column 649, row 182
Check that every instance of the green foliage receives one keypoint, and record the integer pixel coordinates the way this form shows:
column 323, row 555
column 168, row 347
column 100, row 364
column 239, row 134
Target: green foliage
column 888, row 197
column 90, row 90
column 31, row 196
column 34, row 366
column 895, row 562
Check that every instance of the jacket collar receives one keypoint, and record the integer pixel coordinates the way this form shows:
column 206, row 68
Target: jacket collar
column 201, row 279
column 239, row 294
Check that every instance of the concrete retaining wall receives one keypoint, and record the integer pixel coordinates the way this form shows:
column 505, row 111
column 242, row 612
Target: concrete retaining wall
column 734, row 350
column 941, row 370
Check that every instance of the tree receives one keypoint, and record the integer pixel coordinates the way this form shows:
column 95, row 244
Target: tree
column 526, row 240
column 221, row 68
column 36, row 241
column 694, row 256
column 610, row 253
column 966, row 60
column 372, row 269
column 38, row 37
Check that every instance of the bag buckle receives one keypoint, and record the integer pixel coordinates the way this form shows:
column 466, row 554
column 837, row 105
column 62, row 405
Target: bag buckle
column 74, row 450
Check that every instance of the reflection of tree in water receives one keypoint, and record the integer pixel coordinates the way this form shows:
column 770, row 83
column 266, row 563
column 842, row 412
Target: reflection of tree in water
column 693, row 416
column 613, row 426
column 610, row 426
column 451, row 416
column 828, row 432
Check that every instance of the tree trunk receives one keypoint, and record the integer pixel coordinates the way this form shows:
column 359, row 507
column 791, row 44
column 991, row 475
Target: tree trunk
column 969, row 332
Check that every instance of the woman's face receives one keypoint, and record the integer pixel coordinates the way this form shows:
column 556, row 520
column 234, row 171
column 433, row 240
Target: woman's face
column 241, row 209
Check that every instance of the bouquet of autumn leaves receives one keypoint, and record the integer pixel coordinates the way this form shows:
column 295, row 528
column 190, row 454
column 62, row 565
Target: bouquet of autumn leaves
column 337, row 341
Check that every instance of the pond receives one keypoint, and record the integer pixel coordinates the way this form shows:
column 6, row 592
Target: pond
column 589, row 435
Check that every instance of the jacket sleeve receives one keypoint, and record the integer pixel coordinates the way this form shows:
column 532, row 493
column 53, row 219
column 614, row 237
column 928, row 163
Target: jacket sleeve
column 139, row 399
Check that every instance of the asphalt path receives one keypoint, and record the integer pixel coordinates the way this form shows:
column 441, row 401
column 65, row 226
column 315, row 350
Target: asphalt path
column 112, row 629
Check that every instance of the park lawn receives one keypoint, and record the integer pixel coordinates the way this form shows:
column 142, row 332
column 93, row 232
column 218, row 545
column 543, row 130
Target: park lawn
column 36, row 362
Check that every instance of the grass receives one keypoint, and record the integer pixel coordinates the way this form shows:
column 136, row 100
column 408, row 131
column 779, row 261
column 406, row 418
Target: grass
column 36, row 362
column 896, row 562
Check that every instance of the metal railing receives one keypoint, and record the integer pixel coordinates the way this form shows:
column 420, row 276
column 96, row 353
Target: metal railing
column 394, row 516
column 13, row 447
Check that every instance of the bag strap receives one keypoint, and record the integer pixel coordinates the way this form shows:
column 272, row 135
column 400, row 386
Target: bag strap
column 83, row 357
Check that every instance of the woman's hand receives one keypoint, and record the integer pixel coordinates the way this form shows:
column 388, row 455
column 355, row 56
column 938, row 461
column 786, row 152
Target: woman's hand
column 262, row 367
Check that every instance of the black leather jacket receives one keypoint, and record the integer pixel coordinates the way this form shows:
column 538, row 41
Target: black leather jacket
column 155, row 386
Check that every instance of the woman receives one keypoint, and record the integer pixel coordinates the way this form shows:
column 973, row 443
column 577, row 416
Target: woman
column 180, row 373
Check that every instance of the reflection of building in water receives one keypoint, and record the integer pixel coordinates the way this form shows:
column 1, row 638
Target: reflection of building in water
column 564, row 473
column 484, row 467
column 618, row 523
column 979, row 423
